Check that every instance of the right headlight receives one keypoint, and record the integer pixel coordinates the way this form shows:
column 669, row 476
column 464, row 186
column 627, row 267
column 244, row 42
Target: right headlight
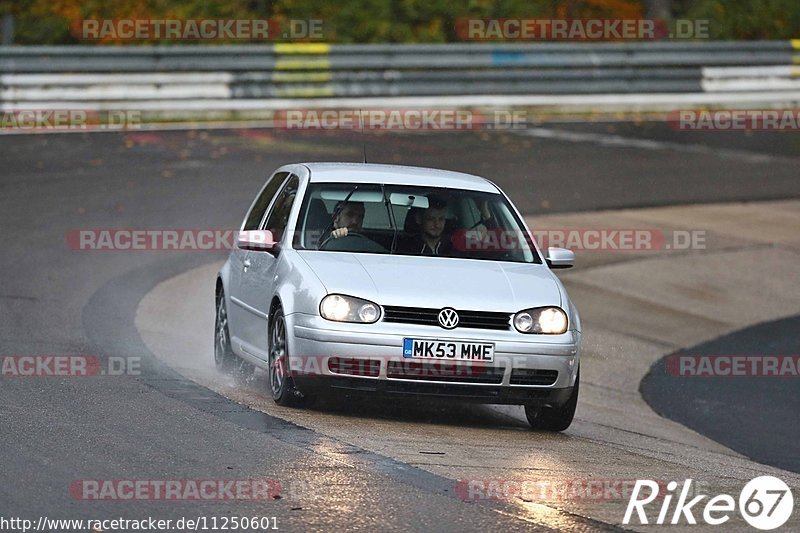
column 341, row 308
column 546, row 320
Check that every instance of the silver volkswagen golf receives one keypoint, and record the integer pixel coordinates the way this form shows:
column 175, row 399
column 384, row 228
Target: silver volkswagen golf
column 399, row 281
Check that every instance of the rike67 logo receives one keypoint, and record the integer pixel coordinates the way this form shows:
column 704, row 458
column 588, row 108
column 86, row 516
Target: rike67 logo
column 765, row 503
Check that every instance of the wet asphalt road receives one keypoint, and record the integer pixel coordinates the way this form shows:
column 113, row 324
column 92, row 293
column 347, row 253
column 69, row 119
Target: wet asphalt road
column 764, row 427
column 54, row 300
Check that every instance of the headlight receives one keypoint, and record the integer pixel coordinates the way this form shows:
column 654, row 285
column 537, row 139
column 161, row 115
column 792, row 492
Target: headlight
column 340, row 308
column 549, row 320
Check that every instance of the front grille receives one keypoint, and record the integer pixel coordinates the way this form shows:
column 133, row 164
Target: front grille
column 440, row 371
column 529, row 376
column 430, row 317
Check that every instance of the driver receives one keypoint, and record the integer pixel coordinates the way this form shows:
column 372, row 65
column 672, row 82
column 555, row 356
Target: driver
column 349, row 219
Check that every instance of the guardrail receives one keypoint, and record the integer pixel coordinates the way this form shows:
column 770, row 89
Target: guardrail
column 244, row 77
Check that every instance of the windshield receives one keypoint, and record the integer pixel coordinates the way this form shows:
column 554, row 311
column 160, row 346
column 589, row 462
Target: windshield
column 408, row 220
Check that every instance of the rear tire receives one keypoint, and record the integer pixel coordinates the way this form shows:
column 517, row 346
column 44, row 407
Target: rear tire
column 554, row 418
column 225, row 360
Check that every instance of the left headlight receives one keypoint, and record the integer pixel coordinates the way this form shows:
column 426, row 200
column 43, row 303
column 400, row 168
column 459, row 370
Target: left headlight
column 341, row 308
column 548, row 320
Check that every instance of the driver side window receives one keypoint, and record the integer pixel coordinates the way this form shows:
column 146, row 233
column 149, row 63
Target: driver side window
column 256, row 213
column 278, row 217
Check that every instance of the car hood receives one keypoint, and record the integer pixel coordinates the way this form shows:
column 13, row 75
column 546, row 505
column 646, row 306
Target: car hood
column 435, row 281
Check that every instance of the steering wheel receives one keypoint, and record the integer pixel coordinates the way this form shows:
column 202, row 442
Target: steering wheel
column 330, row 237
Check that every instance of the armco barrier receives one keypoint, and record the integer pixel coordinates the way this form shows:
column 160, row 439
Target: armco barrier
column 238, row 77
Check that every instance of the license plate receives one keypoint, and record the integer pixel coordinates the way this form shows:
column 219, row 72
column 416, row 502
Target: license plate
column 448, row 350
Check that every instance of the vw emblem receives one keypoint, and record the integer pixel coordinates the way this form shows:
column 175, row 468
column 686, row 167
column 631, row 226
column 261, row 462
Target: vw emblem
column 448, row 318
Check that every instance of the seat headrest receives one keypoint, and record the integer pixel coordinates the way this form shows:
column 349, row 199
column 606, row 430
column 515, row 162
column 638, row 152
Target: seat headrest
column 410, row 225
column 317, row 220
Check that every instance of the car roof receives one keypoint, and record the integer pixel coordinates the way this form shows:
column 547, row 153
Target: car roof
column 396, row 175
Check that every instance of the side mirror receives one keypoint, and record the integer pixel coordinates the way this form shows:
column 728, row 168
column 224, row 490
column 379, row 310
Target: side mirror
column 256, row 240
column 560, row 257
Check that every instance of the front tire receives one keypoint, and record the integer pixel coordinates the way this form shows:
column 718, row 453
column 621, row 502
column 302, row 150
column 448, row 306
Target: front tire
column 554, row 418
column 280, row 381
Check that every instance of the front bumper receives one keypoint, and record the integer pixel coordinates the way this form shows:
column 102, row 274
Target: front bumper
column 512, row 395
column 314, row 340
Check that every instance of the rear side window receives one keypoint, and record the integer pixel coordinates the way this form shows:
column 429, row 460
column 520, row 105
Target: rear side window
column 256, row 214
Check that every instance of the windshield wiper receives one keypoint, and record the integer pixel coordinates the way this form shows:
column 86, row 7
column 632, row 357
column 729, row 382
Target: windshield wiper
column 336, row 212
column 392, row 220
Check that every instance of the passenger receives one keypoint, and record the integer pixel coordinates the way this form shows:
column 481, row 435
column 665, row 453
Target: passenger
column 431, row 239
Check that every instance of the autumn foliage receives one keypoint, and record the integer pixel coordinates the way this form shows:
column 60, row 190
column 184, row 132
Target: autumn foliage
column 49, row 21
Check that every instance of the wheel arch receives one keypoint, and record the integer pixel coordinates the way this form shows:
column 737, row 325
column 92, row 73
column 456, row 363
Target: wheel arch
column 222, row 278
column 274, row 304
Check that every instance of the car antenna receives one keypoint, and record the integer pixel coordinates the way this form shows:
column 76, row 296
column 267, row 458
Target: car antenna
column 363, row 142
